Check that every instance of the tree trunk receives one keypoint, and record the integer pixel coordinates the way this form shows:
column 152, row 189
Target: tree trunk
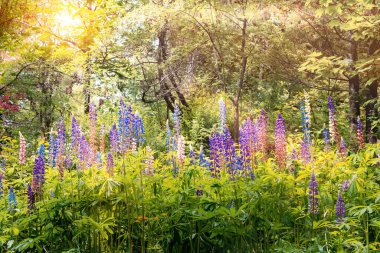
column 353, row 90
column 371, row 111
column 241, row 80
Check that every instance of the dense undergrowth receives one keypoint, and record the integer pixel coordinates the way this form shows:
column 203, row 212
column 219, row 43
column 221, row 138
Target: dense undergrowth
column 323, row 199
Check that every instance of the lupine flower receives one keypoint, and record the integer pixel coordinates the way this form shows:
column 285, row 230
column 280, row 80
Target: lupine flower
column 342, row 148
column 12, row 202
column 2, row 165
column 332, row 121
column 41, row 151
column 114, row 138
column 38, row 176
column 229, row 152
column 340, row 208
column 54, row 154
column 307, row 108
column 109, row 164
column 75, row 135
column 199, row 192
column 169, row 138
column 360, row 134
column 99, row 160
column 313, row 195
column 192, row 155
column 305, row 123
column 216, row 153
column 68, row 162
column 22, row 153
column 122, row 125
column 202, row 159
column 280, row 142
column 1, row 184
column 138, row 129
column 83, row 153
column 61, row 141
column 262, row 125
column 51, row 149
column 326, row 137
column 345, row 185
column 294, row 154
column 149, row 162
column 93, row 127
column 102, row 139
column 222, row 115
column 177, row 121
column 305, row 152
column 181, row 150
column 246, row 143
column 31, row 198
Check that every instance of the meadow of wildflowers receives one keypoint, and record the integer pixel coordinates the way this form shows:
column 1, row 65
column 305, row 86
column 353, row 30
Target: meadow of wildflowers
column 93, row 187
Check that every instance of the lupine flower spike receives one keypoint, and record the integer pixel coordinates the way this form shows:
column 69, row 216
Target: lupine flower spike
column 110, row 164
column 313, row 195
column 340, row 208
column 222, row 115
column 22, row 152
column 342, row 148
column 360, row 134
column 280, row 141
column 93, row 127
column 181, row 150
column 12, row 202
column 149, row 162
column 326, row 138
column 332, row 122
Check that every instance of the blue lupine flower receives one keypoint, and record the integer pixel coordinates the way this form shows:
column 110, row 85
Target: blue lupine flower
column 12, row 202
column 138, row 129
column 41, row 151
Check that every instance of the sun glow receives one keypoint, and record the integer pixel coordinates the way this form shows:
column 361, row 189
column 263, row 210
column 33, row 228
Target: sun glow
column 66, row 22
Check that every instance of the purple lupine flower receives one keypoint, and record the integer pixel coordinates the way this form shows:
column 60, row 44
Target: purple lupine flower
column 199, row 192
column 340, row 208
column 138, row 129
column 202, row 159
column 38, row 176
column 177, row 121
column 93, row 127
column 192, row 155
column 229, row 151
column 326, row 137
column 246, row 143
column 31, row 198
column 109, row 164
column 294, row 154
column 75, row 135
column 2, row 164
column 360, row 134
column 262, row 126
column 123, row 126
column 12, row 202
column 280, row 141
column 342, row 147
column 68, row 161
column 102, row 143
column 61, row 141
column 41, row 151
column 222, row 115
column 345, row 185
column 216, row 153
column 305, row 152
column 114, row 138
column 84, row 152
column 313, row 195
column 1, row 184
